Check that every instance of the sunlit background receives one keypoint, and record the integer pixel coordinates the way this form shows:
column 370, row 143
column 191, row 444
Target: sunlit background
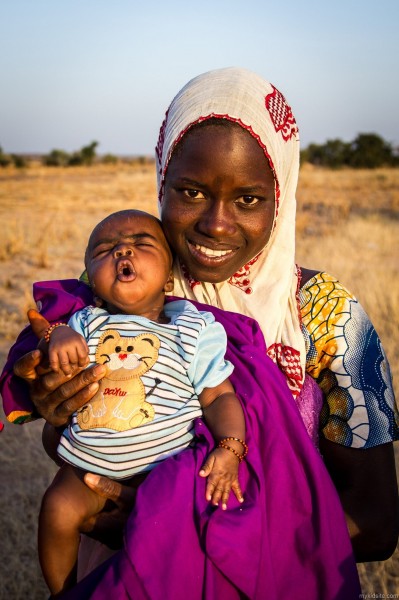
column 81, row 70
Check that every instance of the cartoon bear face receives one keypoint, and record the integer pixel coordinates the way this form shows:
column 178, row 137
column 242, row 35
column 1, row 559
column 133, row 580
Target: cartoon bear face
column 127, row 357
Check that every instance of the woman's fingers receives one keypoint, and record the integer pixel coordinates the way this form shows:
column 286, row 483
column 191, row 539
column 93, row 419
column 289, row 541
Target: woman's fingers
column 56, row 396
column 25, row 367
column 122, row 495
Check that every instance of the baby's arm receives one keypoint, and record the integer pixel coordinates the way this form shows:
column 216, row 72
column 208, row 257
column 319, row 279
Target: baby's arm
column 225, row 418
column 67, row 349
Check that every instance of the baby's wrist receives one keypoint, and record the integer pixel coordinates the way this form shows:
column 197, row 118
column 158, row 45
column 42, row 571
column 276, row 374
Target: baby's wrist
column 51, row 328
column 235, row 445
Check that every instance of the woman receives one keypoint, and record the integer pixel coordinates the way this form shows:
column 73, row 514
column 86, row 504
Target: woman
column 228, row 158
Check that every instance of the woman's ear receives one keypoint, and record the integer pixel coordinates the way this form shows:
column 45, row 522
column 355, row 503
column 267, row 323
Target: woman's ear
column 169, row 285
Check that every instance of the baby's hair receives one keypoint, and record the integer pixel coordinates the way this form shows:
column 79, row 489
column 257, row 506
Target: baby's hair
column 128, row 212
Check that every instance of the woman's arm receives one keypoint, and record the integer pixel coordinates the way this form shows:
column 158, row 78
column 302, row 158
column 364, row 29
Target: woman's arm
column 348, row 362
column 367, row 486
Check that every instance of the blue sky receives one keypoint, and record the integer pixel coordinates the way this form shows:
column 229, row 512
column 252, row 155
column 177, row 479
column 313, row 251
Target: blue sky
column 81, row 70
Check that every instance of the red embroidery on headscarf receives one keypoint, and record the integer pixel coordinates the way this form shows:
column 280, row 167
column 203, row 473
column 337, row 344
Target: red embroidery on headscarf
column 161, row 141
column 241, row 278
column 159, row 151
column 289, row 362
column 191, row 282
column 281, row 114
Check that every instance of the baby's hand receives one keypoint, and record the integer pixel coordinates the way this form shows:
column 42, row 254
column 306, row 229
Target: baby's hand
column 221, row 468
column 67, row 349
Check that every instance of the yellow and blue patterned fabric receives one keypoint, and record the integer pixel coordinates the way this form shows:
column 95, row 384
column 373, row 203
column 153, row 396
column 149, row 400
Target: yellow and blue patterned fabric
column 346, row 358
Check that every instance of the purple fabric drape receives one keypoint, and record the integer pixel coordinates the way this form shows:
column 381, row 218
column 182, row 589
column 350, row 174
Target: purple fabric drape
column 289, row 538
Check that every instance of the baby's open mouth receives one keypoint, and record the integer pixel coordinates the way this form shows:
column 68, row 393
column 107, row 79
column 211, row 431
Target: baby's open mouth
column 125, row 271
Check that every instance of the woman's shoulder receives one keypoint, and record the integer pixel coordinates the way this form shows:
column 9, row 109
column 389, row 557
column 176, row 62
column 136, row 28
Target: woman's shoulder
column 324, row 302
column 311, row 279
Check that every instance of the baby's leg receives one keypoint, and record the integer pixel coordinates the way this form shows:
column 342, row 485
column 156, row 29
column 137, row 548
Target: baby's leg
column 66, row 505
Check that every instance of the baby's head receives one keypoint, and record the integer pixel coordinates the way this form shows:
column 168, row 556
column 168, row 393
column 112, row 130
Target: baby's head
column 129, row 263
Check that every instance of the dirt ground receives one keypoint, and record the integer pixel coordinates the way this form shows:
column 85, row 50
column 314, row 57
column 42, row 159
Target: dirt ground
column 347, row 224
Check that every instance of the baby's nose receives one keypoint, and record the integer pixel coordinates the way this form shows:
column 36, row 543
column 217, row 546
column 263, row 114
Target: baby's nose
column 123, row 251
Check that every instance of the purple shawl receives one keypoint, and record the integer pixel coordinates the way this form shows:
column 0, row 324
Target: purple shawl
column 287, row 540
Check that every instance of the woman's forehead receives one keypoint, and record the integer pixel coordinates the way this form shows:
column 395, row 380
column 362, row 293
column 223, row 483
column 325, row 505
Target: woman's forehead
column 227, row 137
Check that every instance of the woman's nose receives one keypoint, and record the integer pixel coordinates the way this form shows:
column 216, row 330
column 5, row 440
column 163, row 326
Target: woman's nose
column 217, row 220
column 123, row 250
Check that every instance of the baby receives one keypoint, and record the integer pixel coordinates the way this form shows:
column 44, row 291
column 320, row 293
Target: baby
column 166, row 367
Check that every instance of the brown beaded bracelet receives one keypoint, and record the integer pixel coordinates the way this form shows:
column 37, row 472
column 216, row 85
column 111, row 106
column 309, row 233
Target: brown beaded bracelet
column 240, row 457
column 50, row 330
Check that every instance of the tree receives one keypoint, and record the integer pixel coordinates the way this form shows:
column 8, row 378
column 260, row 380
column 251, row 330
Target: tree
column 5, row 159
column 56, row 158
column 85, row 156
column 369, row 151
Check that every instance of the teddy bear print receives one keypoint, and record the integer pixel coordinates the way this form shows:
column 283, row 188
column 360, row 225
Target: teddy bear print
column 120, row 403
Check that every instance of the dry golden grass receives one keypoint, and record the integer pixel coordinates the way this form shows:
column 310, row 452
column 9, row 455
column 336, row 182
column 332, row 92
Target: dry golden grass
column 348, row 224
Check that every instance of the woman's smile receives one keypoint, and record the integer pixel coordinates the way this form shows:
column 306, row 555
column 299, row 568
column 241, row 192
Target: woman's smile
column 202, row 252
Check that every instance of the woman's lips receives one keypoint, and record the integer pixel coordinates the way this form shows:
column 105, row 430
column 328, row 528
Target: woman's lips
column 125, row 271
column 207, row 255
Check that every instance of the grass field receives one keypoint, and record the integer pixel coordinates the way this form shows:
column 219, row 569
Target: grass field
column 348, row 224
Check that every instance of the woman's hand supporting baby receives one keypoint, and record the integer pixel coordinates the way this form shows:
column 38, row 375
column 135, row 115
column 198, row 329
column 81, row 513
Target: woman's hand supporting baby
column 56, row 396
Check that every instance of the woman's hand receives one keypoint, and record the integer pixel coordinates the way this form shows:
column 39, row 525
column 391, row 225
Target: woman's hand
column 108, row 525
column 55, row 395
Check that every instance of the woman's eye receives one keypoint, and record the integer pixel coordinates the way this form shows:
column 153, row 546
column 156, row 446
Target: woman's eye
column 194, row 194
column 248, row 200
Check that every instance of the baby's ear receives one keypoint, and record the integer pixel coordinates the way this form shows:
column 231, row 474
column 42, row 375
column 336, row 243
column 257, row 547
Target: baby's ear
column 99, row 302
column 169, row 285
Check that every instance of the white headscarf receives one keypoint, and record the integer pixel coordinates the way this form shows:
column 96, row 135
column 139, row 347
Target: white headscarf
column 265, row 289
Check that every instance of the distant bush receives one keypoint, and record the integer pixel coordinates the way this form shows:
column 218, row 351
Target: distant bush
column 110, row 159
column 85, row 156
column 56, row 158
column 369, row 151
column 5, row 159
column 59, row 158
column 19, row 161
column 366, row 151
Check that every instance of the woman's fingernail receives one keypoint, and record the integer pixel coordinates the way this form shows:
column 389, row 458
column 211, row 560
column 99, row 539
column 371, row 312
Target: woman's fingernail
column 99, row 370
column 92, row 478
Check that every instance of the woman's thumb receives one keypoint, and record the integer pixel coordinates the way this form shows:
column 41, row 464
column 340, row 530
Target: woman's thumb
column 38, row 323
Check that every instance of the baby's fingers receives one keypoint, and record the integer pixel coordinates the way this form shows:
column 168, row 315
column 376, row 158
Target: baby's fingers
column 214, row 491
column 235, row 486
column 225, row 496
column 217, row 492
column 83, row 354
column 54, row 361
column 207, row 466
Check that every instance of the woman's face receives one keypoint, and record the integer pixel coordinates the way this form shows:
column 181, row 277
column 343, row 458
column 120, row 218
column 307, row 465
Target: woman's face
column 218, row 206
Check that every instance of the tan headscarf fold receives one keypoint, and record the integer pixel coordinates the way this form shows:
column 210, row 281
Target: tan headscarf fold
column 265, row 289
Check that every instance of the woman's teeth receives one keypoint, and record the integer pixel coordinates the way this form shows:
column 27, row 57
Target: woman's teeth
column 210, row 252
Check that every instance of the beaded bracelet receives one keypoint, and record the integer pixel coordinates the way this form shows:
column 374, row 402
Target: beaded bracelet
column 240, row 457
column 50, row 330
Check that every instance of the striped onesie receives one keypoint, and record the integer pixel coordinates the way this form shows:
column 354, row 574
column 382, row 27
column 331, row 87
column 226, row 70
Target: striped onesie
column 188, row 357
